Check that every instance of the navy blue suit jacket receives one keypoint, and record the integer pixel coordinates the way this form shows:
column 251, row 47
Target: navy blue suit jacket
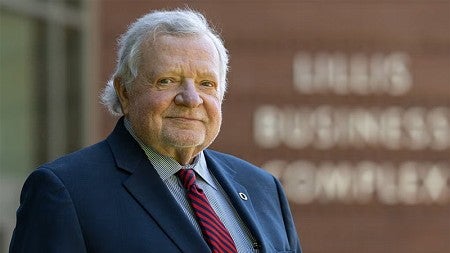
column 108, row 198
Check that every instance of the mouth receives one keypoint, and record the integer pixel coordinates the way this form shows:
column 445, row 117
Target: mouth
column 184, row 119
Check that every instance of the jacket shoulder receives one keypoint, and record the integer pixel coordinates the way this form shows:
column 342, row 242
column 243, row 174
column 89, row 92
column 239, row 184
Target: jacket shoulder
column 86, row 153
column 236, row 162
column 82, row 159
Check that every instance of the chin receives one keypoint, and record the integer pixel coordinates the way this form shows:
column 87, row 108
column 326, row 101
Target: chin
column 185, row 141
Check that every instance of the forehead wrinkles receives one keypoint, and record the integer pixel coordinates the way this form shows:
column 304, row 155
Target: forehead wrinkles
column 180, row 52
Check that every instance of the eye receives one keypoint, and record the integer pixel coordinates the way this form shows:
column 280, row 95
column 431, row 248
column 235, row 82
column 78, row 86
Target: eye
column 166, row 81
column 207, row 83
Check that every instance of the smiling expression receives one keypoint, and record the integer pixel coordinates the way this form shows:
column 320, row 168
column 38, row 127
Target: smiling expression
column 174, row 105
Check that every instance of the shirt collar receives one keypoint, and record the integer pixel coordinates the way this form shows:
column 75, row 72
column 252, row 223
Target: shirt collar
column 166, row 166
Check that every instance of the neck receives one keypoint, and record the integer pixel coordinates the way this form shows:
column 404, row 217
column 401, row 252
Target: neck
column 183, row 156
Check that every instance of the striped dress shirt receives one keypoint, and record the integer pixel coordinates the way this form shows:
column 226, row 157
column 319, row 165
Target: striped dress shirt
column 167, row 168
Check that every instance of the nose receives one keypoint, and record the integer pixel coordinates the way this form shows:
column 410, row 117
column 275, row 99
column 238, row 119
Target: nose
column 188, row 95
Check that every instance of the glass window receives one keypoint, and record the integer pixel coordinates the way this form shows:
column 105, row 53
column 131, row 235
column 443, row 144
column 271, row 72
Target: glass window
column 41, row 89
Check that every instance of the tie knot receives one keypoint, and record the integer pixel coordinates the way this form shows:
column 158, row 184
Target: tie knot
column 187, row 177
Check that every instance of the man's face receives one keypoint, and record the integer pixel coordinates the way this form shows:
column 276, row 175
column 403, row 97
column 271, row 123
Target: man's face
column 174, row 105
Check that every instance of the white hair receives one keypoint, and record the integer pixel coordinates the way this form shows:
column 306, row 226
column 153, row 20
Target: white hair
column 179, row 22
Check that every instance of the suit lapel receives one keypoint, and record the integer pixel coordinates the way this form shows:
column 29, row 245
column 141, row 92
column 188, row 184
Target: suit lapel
column 228, row 180
column 147, row 188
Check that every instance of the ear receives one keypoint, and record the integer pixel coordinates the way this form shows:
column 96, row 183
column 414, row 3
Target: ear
column 122, row 94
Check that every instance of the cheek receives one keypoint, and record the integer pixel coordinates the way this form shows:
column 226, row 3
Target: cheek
column 141, row 101
column 140, row 109
column 136, row 107
column 150, row 109
column 215, row 113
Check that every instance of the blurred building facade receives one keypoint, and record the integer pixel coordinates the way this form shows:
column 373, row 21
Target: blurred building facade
column 347, row 102
column 44, row 77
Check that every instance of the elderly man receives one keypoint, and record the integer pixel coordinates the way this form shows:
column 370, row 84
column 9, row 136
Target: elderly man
column 152, row 185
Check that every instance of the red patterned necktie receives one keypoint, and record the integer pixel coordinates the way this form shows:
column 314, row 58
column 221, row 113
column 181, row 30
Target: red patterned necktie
column 213, row 230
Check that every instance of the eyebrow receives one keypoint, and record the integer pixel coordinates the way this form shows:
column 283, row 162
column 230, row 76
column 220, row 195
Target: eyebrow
column 177, row 71
column 208, row 74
